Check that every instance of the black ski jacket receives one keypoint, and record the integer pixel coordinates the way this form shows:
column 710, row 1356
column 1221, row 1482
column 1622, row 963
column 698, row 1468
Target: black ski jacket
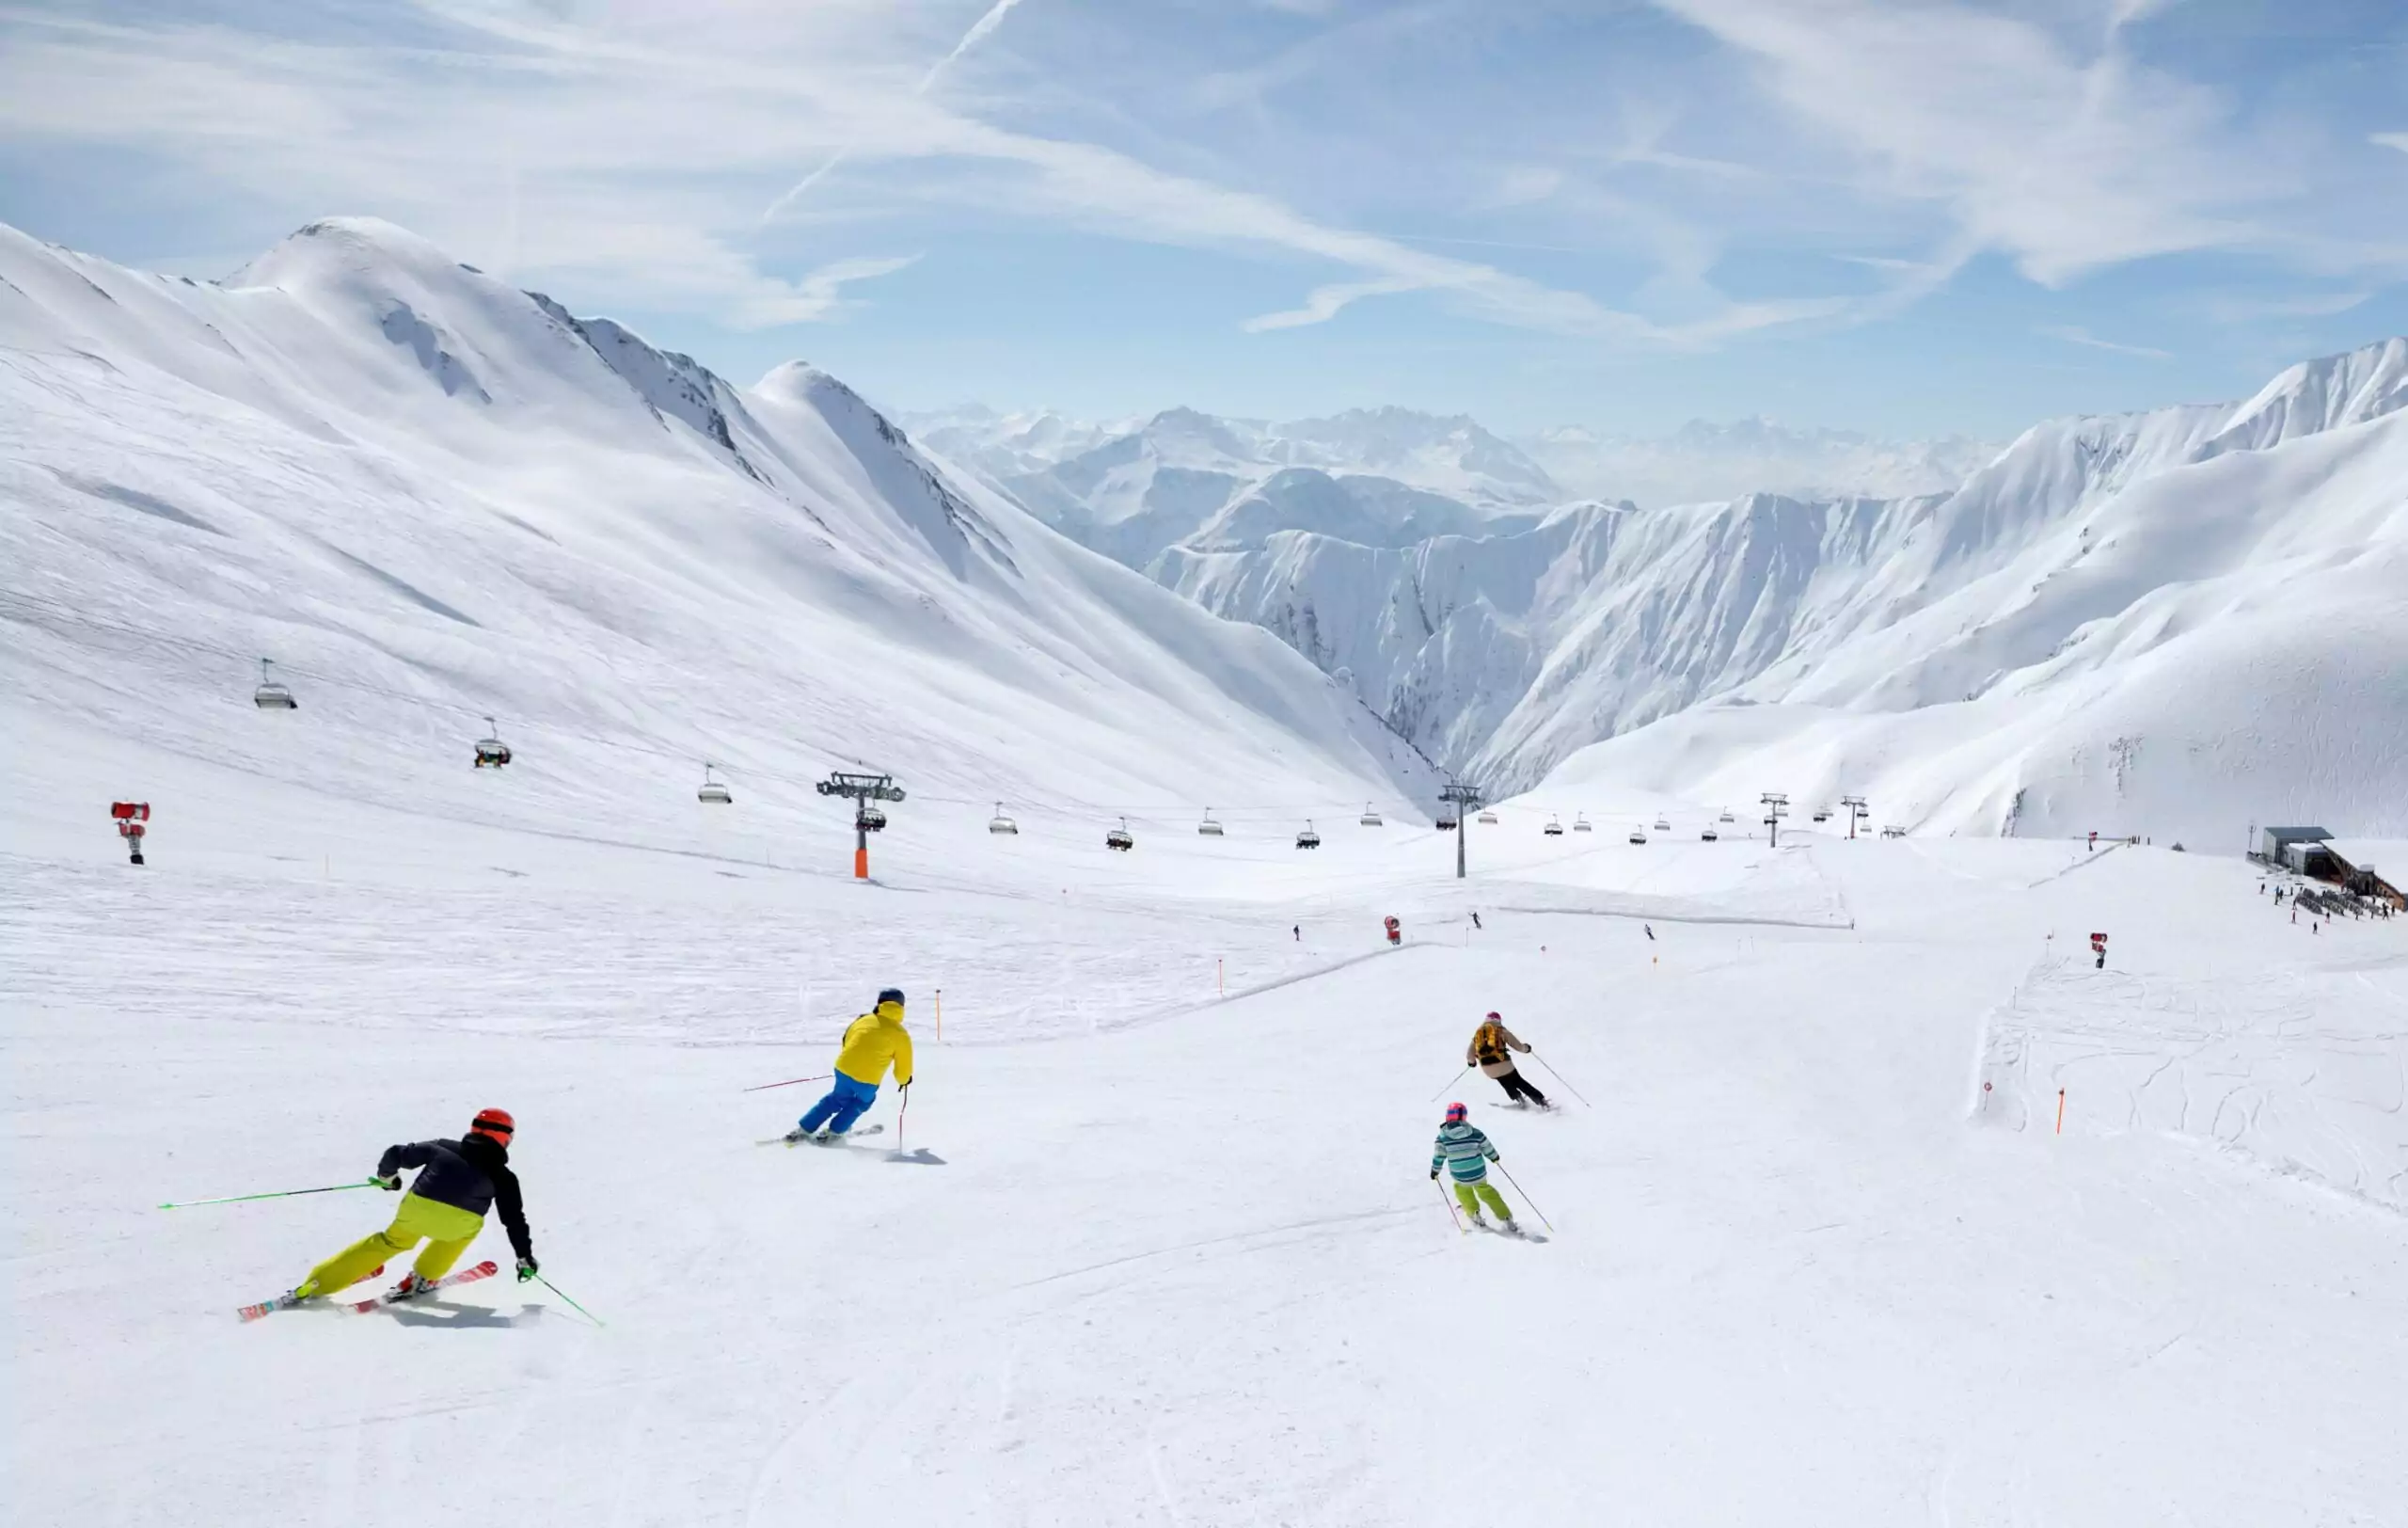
column 472, row 1174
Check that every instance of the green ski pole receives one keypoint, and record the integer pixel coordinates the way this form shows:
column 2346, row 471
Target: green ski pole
column 573, row 1305
column 282, row 1193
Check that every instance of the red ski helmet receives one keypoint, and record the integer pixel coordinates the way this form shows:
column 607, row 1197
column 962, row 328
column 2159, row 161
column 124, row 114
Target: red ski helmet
column 1456, row 1112
column 494, row 1125
column 1494, row 1017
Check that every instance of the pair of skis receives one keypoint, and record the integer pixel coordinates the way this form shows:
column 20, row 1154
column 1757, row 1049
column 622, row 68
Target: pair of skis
column 822, row 1140
column 287, row 1301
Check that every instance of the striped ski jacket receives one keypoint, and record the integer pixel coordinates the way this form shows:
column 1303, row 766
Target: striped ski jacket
column 1464, row 1151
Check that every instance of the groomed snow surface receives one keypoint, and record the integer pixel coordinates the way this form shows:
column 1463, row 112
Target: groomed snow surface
column 1158, row 1256
column 1158, row 1246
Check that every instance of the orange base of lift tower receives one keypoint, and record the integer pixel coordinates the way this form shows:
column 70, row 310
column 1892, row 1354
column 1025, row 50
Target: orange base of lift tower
column 860, row 863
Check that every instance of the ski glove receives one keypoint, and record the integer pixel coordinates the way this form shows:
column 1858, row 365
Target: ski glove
column 390, row 1183
column 526, row 1269
column 1433, row 1174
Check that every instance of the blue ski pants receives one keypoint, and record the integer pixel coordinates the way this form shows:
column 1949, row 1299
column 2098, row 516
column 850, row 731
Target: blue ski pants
column 847, row 1100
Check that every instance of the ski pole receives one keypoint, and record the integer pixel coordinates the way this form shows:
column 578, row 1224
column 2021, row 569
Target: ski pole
column 1526, row 1196
column 1448, row 1200
column 788, row 1083
column 1560, row 1078
column 1449, row 1085
column 282, row 1193
column 902, row 1114
column 579, row 1308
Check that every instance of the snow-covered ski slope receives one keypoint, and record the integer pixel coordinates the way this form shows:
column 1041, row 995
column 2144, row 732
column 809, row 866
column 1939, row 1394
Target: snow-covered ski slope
column 1155, row 1242
column 432, row 498
column 1151, row 1255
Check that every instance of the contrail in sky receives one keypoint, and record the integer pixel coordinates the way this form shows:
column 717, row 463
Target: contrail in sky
column 979, row 31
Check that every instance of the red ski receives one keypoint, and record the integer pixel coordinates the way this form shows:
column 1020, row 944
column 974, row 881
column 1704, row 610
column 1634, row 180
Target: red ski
column 287, row 1301
column 465, row 1275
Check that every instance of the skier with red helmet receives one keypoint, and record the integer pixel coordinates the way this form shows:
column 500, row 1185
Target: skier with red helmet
column 457, row 1182
column 1464, row 1151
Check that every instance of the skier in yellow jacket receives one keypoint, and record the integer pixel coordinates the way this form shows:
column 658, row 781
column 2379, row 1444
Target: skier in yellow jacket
column 875, row 1041
column 1492, row 1050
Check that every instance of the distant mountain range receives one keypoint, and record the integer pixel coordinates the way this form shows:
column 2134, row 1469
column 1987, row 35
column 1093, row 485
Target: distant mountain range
column 2027, row 607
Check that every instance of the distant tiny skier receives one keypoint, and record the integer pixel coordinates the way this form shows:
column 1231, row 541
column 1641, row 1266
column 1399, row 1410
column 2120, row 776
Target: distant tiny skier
column 1651, row 931
column 1476, row 923
column 1465, row 1152
column 457, row 1182
column 1491, row 1050
column 2098, row 947
column 1299, row 931
column 873, row 1042
column 1395, row 929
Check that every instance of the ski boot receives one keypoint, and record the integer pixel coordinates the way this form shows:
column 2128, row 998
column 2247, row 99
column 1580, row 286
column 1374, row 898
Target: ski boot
column 410, row 1288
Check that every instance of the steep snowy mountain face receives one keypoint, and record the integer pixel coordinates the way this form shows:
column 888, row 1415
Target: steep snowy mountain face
column 1702, row 461
column 2168, row 622
column 2094, row 557
column 432, row 497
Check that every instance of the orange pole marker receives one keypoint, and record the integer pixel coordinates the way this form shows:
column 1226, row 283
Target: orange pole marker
column 2061, row 1111
column 940, row 1013
column 860, row 863
column 1220, row 973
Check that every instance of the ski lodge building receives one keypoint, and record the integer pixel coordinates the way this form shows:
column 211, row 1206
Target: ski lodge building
column 2349, row 863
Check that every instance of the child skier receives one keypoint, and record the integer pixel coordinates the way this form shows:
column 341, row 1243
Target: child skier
column 1491, row 1050
column 874, row 1041
column 457, row 1182
column 1465, row 1153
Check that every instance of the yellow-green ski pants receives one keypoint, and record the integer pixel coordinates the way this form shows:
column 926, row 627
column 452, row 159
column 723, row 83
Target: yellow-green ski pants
column 1472, row 1193
column 446, row 1229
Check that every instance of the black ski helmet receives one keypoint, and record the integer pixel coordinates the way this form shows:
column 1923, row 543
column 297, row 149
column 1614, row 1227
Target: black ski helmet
column 892, row 994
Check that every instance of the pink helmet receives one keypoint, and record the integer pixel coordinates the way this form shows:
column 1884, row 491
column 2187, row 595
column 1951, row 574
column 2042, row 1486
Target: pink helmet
column 1456, row 1112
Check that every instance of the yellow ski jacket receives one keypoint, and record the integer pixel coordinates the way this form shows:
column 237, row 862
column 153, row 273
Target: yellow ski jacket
column 874, row 1041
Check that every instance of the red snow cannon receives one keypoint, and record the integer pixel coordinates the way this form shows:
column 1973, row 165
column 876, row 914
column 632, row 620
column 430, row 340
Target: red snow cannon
column 130, row 816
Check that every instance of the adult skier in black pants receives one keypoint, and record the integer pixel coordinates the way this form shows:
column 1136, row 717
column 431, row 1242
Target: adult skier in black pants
column 1491, row 1050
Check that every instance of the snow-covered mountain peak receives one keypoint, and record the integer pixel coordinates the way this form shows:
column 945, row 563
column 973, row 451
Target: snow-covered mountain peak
column 431, row 496
column 2328, row 393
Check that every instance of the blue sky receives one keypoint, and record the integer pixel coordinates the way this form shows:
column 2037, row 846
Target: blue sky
column 1904, row 217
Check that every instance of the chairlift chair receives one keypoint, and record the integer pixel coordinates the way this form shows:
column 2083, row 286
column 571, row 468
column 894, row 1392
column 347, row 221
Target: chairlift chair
column 999, row 823
column 711, row 792
column 1663, row 824
column 873, row 819
column 1710, row 835
column 1308, row 838
column 492, row 752
column 1822, row 813
column 1446, row 824
column 272, row 695
column 1553, row 829
column 1488, row 819
column 1639, row 836
column 1581, row 822
column 1727, row 817
column 1207, row 828
column 1371, row 816
column 1119, row 837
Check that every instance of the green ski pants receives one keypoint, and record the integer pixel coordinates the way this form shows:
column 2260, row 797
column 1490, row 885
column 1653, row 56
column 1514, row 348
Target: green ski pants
column 1471, row 1194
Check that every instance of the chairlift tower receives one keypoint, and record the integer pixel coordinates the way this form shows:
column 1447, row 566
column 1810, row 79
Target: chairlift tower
column 1776, row 806
column 1857, row 811
column 862, row 789
column 1467, row 800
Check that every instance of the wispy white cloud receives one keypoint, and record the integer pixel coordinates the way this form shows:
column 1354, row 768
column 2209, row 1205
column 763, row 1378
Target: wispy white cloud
column 2065, row 162
column 979, row 31
column 2390, row 140
column 2073, row 334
